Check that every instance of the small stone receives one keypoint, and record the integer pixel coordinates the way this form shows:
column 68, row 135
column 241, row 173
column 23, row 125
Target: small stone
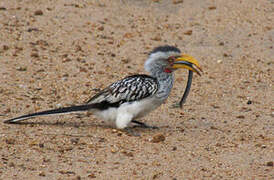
column 212, row 7
column 5, row 47
column 101, row 140
column 66, row 172
column 113, row 150
column 21, row 69
column 215, row 106
column 41, row 145
column 42, row 42
column 189, row 32
column 158, row 138
column 129, row 154
column 221, row 43
column 35, row 55
column 177, row 1
column 82, row 69
column 213, row 127
column 38, row 13
column 46, row 160
column 32, row 29
column 42, row 174
column 91, row 175
column 240, row 117
column 270, row 163
column 114, row 130
column 68, row 148
column 128, row 35
column 157, row 38
column 126, row 61
column 101, row 28
column 78, row 48
column 74, row 140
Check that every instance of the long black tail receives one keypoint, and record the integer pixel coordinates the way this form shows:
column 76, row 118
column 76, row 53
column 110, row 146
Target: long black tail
column 50, row 112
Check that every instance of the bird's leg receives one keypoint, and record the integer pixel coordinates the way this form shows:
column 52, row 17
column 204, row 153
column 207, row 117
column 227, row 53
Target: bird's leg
column 131, row 132
column 144, row 125
column 175, row 105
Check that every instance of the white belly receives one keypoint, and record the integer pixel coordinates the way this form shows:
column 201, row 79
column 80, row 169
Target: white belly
column 128, row 111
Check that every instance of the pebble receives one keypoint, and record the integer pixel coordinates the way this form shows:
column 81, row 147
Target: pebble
column 101, row 28
column 32, row 29
column 240, row 117
column 158, row 138
column 5, row 47
column 38, row 13
column 157, row 38
column 249, row 102
column 91, row 175
column 21, row 68
column 270, row 163
column 74, row 140
column 42, row 174
column 219, row 61
column 36, row 55
column 177, row 1
column 41, row 145
column 212, row 7
column 189, row 32
column 129, row 154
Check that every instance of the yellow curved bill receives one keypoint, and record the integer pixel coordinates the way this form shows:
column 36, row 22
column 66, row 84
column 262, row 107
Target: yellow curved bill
column 187, row 62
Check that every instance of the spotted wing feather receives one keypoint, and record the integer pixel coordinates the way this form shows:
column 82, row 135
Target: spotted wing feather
column 129, row 89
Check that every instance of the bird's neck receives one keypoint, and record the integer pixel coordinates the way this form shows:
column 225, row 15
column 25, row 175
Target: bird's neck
column 165, row 81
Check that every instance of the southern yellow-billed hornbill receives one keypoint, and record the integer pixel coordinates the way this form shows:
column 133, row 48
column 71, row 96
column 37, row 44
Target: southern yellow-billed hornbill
column 134, row 96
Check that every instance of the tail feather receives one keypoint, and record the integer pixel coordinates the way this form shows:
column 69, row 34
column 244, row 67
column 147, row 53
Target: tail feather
column 50, row 112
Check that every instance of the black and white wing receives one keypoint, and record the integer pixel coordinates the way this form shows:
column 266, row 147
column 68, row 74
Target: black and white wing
column 129, row 89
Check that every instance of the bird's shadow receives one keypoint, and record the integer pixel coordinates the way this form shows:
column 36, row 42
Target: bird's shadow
column 61, row 123
column 134, row 128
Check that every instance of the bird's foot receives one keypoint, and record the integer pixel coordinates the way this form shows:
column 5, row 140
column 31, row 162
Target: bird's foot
column 144, row 125
column 130, row 132
column 175, row 105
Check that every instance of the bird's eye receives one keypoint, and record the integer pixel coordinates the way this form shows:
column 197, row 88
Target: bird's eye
column 171, row 59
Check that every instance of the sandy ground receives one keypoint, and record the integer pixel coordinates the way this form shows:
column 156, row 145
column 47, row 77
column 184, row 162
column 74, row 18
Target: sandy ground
column 54, row 53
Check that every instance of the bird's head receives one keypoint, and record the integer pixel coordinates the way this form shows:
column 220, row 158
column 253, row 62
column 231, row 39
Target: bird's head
column 169, row 58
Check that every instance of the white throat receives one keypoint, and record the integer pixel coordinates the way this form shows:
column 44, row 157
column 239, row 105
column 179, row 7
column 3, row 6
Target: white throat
column 155, row 68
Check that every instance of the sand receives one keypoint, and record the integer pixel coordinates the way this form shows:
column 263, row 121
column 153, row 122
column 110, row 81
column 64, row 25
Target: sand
column 57, row 53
